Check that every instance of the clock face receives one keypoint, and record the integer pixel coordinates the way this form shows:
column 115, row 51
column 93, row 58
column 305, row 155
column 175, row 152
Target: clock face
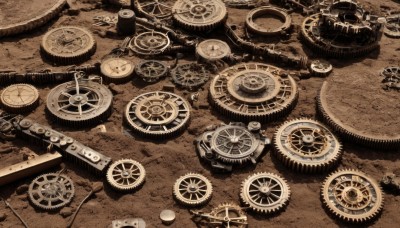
column 19, row 95
column 117, row 67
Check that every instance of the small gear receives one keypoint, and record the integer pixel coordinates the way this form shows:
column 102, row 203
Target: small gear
column 392, row 26
column 19, row 98
column 157, row 114
column 191, row 75
column 68, row 45
column 149, row 43
column 352, row 196
column 193, row 189
column 320, row 68
column 199, row 16
column 212, row 50
column 117, row 70
column 51, row 191
column 391, row 72
column 126, row 175
column 151, row 70
column 265, row 193
column 228, row 215
column 307, row 146
column 272, row 12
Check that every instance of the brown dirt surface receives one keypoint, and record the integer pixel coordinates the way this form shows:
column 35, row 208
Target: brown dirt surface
column 166, row 160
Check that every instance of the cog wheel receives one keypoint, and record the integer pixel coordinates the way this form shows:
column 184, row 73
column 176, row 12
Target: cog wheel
column 228, row 215
column 68, row 45
column 392, row 26
column 272, row 12
column 157, row 114
column 212, row 50
column 126, row 175
column 117, row 70
column 161, row 9
column 307, row 146
column 192, row 189
column 88, row 105
column 51, row 191
column 149, row 43
column 19, row 98
column 391, row 72
column 191, row 75
column 151, row 70
column 320, row 68
column 253, row 92
column 265, row 193
column 352, row 196
column 199, row 16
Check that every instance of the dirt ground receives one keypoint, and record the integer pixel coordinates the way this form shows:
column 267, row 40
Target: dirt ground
column 166, row 160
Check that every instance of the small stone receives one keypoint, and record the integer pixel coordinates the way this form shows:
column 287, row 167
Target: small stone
column 3, row 216
column 22, row 189
column 65, row 212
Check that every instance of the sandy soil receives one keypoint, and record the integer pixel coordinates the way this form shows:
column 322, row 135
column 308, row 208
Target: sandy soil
column 166, row 160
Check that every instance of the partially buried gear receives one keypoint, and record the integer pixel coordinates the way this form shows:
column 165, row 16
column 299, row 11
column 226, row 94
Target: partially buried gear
column 149, row 43
column 191, row 75
column 19, row 98
column 320, row 68
column 151, row 70
column 126, row 175
column 391, row 182
column 192, row 189
column 117, row 70
column 392, row 78
column 392, row 26
column 212, row 50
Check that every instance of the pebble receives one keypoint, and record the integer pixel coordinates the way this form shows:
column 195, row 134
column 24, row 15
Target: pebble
column 65, row 212
column 3, row 216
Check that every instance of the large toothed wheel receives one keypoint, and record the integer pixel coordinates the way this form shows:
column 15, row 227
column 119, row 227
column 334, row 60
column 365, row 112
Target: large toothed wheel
column 19, row 98
column 253, row 92
column 228, row 215
column 149, row 43
column 265, row 193
column 191, row 75
column 307, row 146
column 126, row 175
column 51, row 191
column 157, row 114
column 199, row 15
column 192, row 189
column 352, row 196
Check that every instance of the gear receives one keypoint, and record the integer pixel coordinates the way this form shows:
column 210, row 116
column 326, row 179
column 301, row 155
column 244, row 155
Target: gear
column 270, row 12
column 392, row 27
column 151, row 70
column 150, row 43
column 352, row 196
column 242, row 3
column 199, row 16
column 126, row 175
column 88, row 105
column 320, row 68
column 191, row 75
column 228, row 215
column 157, row 114
column 253, row 91
column 161, row 9
column 391, row 72
column 265, row 193
column 307, row 146
column 193, row 189
column 51, row 191
column 68, row 45
column 117, row 70
column 212, row 50
column 19, row 98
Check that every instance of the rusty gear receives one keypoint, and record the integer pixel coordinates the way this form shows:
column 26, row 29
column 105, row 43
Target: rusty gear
column 151, row 70
column 392, row 26
column 320, row 68
column 149, row 43
column 126, row 175
column 117, row 70
column 192, row 189
column 191, row 75
column 19, row 98
column 271, row 12
column 212, row 50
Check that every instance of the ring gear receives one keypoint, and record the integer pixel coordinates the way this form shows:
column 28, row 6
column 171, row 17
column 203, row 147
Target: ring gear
column 352, row 196
column 199, row 16
column 126, row 175
column 228, row 215
column 117, row 70
column 19, row 98
column 149, row 43
column 307, row 146
column 253, row 92
column 51, row 191
column 320, row 68
column 68, row 45
column 91, row 105
column 191, row 75
column 151, row 70
column 212, row 50
column 192, row 189
column 272, row 12
column 157, row 114
column 392, row 26
column 265, row 193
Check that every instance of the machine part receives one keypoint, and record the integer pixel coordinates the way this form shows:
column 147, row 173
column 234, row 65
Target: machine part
column 79, row 104
column 105, row 20
column 158, row 114
column 117, row 70
column 392, row 77
column 242, row 3
column 392, row 26
column 150, row 43
column 192, row 190
column 265, row 193
column 159, row 9
column 191, row 75
column 307, row 146
column 167, row 217
column 320, row 68
column 151, row 70
column 228, row 215
column 126, row 24
column 126, row 175
column 15, row 213
column 19, row 98
column 68, row 45
column 272, row 12
column 51, row 191
column 391, row 182
column 212, row 50
column 348, row 133
column 253, row 92
column 129, row 223
column 7, row 120
column 199, row 16
column 352, row 196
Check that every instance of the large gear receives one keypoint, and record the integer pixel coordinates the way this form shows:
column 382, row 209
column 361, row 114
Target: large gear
column 157, row 114
column 228, row 215
column 265, row 193
column 199, row 16
column 90, row 104
column 149, row 43
column 19, row 98
column 307, row 146
column 212, row 50
column 117, row 70
column 272, row 12
column 151, row 70
column 192, row 189
column 51, row 191
column 126, row 175
column 352, row 196
column 190, row 75
column 392, row 26
column 253, row 91
column 68, row 45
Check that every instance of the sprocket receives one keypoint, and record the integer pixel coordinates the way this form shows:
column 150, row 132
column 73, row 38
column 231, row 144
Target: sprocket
column 192, row 189
column 126, row 175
